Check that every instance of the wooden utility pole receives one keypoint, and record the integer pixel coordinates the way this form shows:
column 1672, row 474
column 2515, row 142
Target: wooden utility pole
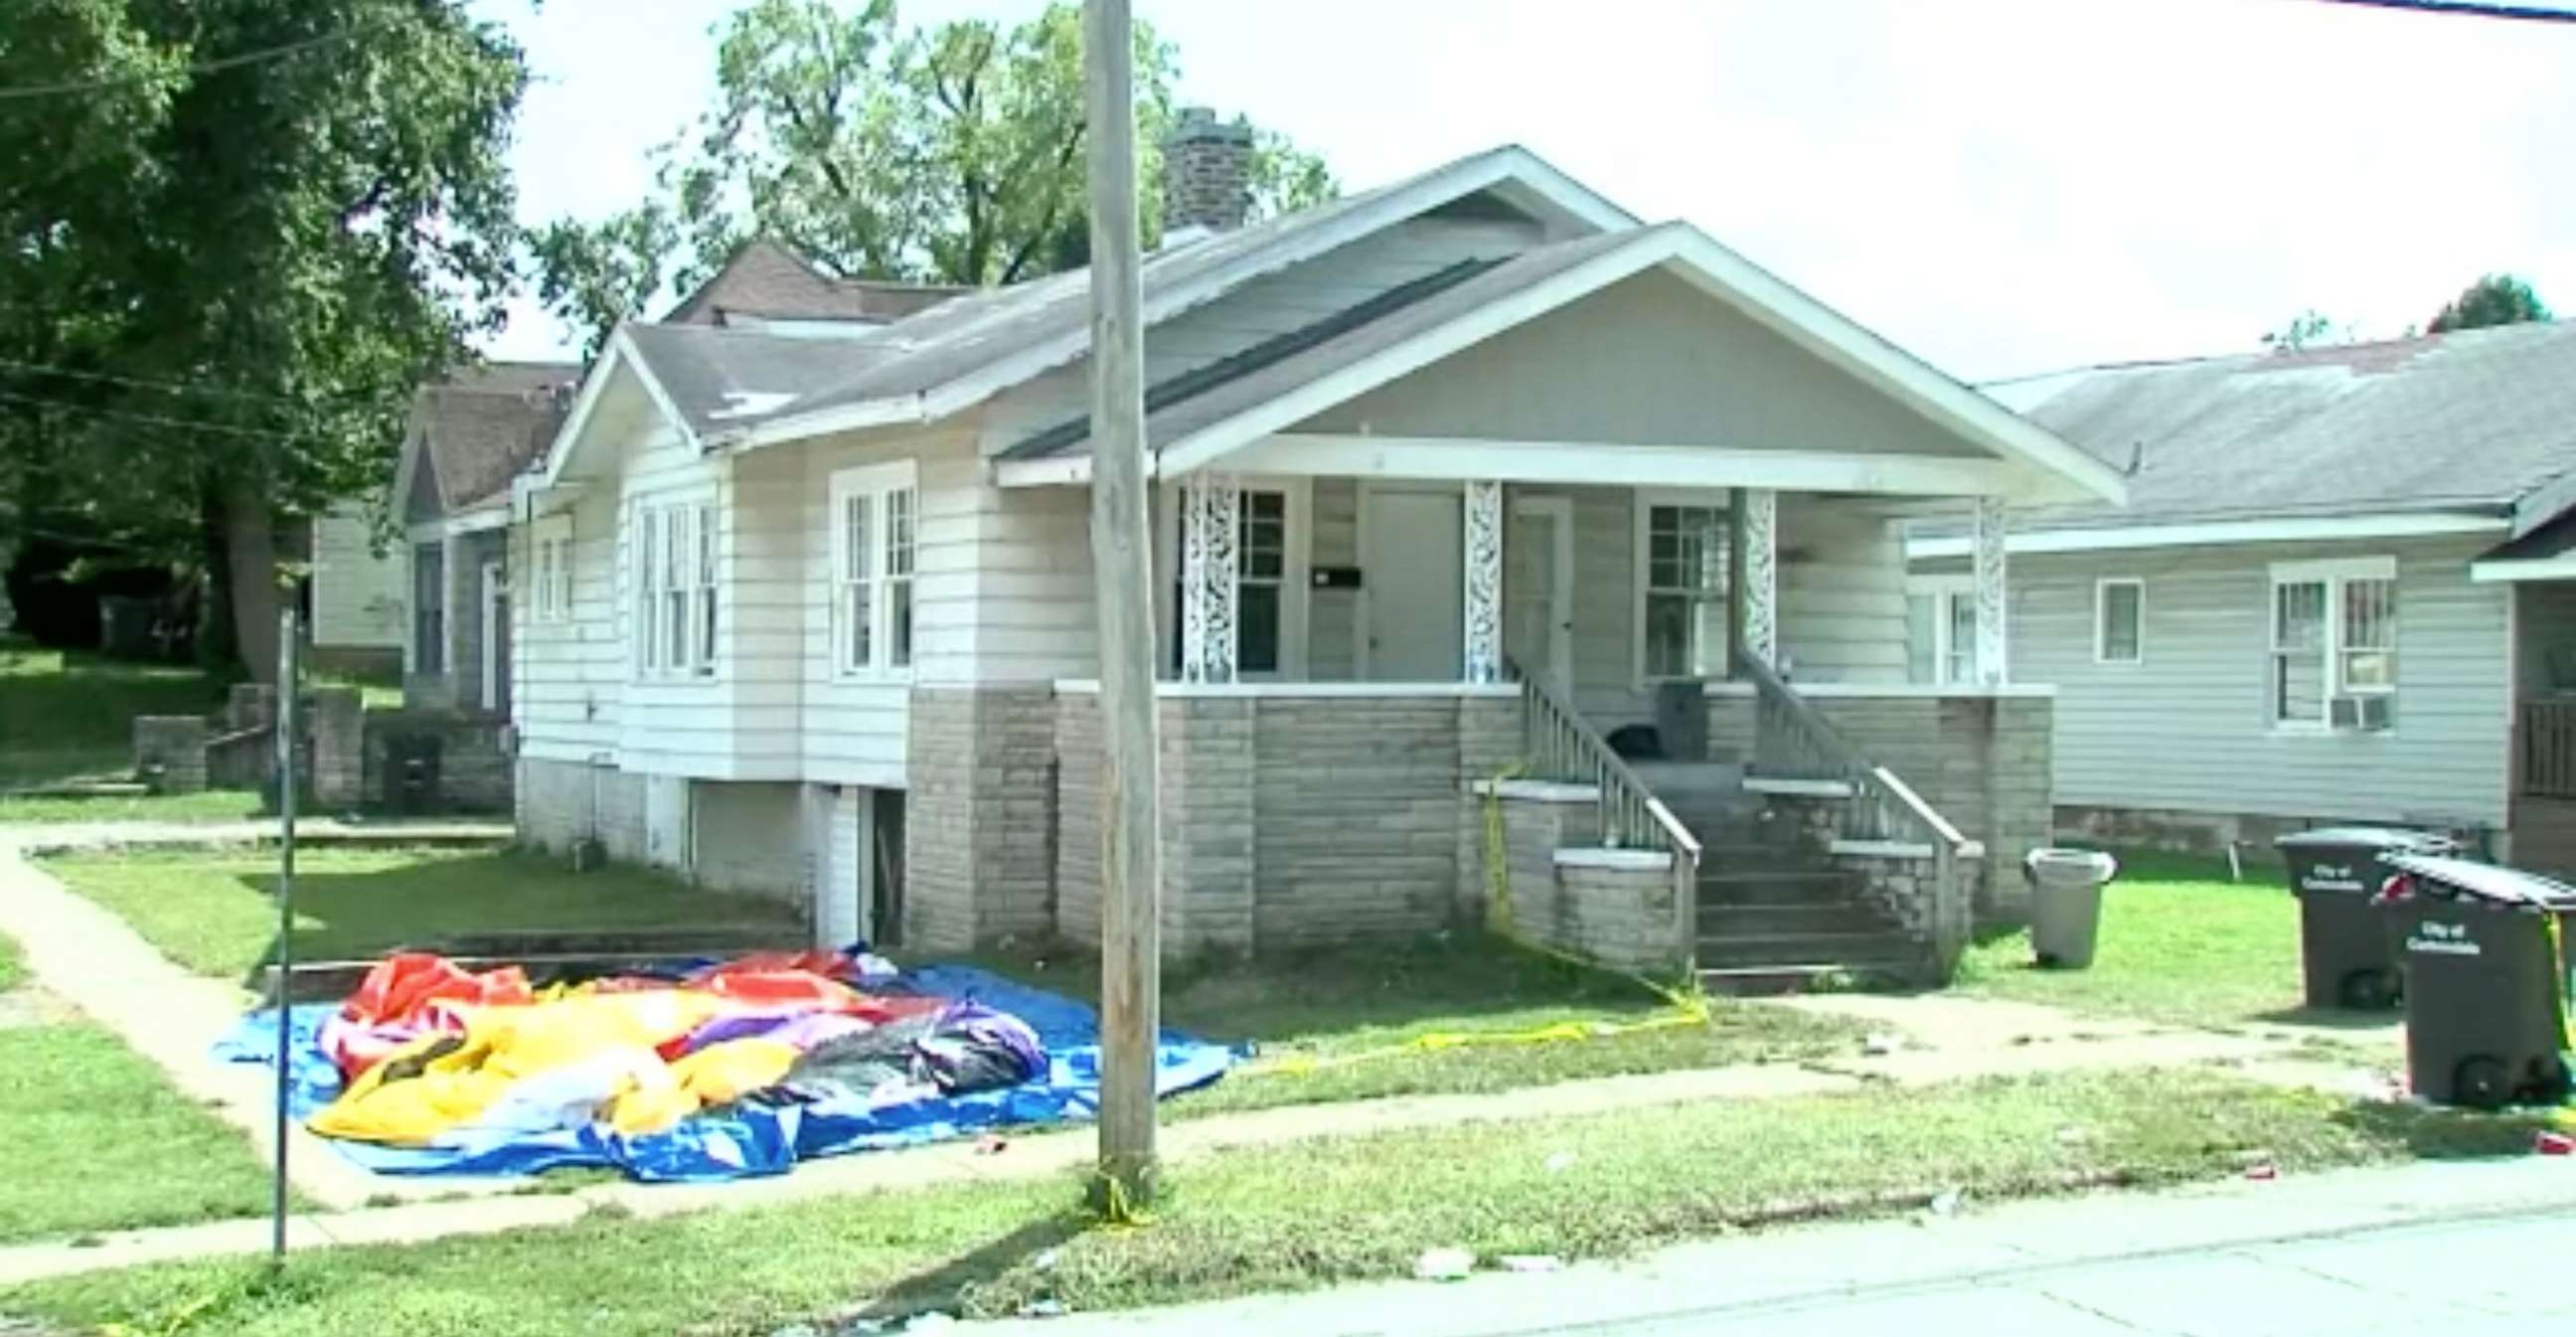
column 1131, row 989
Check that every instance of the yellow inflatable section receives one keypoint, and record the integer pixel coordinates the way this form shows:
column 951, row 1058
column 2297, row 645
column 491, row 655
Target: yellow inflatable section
column 595, row 1049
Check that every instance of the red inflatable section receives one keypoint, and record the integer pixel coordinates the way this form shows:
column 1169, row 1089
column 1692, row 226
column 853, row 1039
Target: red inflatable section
column 407, row 994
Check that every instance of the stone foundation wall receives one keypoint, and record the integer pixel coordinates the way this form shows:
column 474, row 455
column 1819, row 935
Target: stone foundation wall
column 750, row 839
column 980, row 820
column 1981, row 762
column 1292, row 820
column 556, row 802
column 170, row 752
column 1613, row 908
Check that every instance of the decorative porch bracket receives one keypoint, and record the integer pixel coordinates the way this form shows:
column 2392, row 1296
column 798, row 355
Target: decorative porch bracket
column 1993, row 640
column 1484, row 534
column 1211, row 572
column 1757, row 511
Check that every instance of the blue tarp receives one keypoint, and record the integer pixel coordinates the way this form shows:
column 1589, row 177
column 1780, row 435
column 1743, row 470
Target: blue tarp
column 754, row 1138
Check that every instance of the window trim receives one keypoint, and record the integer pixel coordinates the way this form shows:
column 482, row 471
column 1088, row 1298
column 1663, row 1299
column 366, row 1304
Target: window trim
column 2333, row 573
column 679, row 513
column 550, row 557
column 875, row 483
column 1640, row 524
column 2102, row 622
column 1945, row 592
column 1296, row 581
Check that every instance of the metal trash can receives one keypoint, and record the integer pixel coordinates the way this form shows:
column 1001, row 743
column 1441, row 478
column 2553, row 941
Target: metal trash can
column 2347, row 955
column 2066, row 903
column 2485, row 979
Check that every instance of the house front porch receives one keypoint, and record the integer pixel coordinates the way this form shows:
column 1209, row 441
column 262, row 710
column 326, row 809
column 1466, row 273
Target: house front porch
column 1394, row 708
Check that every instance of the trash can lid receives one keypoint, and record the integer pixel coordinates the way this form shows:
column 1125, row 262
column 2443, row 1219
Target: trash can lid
column 2502, row 887
column 2101, row 865
column 2395, row 838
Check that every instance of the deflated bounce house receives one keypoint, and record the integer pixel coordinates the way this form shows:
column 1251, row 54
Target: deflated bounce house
column 718, row 1071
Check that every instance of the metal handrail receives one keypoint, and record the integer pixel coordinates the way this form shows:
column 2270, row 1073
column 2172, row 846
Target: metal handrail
column 1795, row 740
column 1563, row 747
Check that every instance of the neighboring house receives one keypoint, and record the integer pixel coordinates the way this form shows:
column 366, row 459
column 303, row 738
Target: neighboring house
column 815, row 617
column 767, row 288
column 469, row 436
column 354, row 594
column 2338, row 592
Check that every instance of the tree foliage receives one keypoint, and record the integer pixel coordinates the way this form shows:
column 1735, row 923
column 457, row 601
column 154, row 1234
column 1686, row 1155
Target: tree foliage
column 949, row 154
column 234, row 236
column 2495, row 299
column 2308, row 329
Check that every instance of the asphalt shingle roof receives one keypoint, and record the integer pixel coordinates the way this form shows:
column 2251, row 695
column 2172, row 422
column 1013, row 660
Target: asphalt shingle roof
column 766, row 279
column 2474, row 420
column 483, row 425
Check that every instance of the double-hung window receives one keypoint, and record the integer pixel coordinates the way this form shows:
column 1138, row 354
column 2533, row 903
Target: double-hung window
column 1941, row 630
column 2120, row 621
column 875, row 530
column 1683, row 556
column 675, row 547
column 2334, row 645
column 1268, row 612
column 429, row 608
column 552, row 595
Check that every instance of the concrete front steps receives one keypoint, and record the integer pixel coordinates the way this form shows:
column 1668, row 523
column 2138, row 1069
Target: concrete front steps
column 1778, row 917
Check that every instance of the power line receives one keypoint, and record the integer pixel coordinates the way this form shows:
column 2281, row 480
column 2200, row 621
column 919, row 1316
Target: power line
column 2482, row 9
column 155, row 419
column 142, row 383
column 237, row 59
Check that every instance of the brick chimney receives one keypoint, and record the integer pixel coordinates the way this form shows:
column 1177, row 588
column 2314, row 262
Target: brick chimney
column 1207, row 173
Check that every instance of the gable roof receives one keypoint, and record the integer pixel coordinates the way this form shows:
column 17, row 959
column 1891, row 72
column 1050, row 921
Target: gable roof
column 1285, row 380
column 2477, row 422
column 479, row 428
column 768, row 280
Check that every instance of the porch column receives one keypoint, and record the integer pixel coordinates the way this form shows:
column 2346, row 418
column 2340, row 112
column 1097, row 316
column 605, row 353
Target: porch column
column 1484, row 565
column 1757, row 530
column 1211, row 547
column 1993, row 640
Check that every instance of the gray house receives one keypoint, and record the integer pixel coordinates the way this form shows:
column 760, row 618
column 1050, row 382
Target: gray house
column 2339, row 592
column 1453, row 479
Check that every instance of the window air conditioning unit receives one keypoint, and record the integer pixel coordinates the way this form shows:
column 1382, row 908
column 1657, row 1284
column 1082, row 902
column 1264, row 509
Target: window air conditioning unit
column 2365, row 714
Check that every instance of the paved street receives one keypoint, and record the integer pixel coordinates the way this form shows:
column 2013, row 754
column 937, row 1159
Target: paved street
column 2460, row 1250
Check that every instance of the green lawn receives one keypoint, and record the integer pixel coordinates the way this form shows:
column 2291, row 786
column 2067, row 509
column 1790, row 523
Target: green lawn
column 98, row 1140
column 2180, row 943
column 1348, row 1024
column 70, row 716
column 1290, row 1216
column 213, row 805
column 212, row 912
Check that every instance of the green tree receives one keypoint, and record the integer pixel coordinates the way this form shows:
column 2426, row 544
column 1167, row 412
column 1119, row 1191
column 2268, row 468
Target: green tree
column 2307, row 329
column 949, row 154
column 234, row 236
column 2495, row 299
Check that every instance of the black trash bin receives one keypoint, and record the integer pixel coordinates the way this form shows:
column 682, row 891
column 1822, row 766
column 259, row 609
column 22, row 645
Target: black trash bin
column 2486, row 981
column 2345, row 951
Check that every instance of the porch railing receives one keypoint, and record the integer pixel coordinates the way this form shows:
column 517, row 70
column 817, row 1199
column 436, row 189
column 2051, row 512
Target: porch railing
column 1794, row 741
column 1560, row 746
column 2549, row 749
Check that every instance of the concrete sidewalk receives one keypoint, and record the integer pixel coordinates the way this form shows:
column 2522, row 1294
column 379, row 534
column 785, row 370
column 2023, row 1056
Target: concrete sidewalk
column 2463, row 1248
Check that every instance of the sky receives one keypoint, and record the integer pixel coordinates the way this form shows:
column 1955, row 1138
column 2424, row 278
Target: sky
column 2004, row 187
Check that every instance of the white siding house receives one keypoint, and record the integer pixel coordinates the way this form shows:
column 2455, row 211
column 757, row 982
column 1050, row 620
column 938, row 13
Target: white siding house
column 356, row 591
column 1426, row 459
column 2305, row 615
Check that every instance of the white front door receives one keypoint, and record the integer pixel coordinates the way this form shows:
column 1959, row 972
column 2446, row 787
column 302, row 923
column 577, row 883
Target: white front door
column 1413, row 560
column 666, row 821
column 843, row 890
column 1538, row 588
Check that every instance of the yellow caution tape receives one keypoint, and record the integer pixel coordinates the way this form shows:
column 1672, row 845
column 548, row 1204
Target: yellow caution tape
column 1689, row 1005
